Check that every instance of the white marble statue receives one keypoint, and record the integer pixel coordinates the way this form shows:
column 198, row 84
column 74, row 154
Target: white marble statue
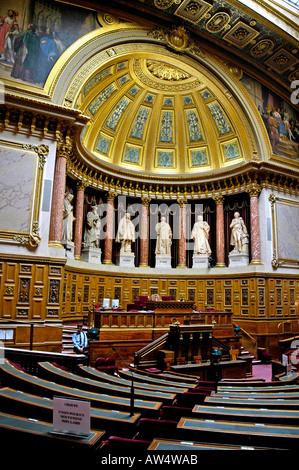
column 164, row 238
column 68, row 219
column 93, row 229
column 239, row 235
column 125, row 234
column 200, row 235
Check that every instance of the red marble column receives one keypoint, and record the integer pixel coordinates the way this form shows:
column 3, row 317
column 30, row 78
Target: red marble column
column 220, row 255
column 79, row 219
column 182, row 239
column 144, row 233
column 109, row 230
column 254, row 226
column 55, row 233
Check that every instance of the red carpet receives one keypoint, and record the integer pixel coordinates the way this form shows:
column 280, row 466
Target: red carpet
column 262, row 371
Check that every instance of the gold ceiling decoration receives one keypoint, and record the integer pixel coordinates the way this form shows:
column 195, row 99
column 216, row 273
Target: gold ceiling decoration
column 155, row 115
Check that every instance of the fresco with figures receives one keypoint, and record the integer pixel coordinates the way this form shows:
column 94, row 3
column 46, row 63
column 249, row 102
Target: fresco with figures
column 34, row 34
column 281, row 120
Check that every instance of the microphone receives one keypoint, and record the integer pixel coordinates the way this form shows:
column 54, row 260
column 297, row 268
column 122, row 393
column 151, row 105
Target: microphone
column 132, row 384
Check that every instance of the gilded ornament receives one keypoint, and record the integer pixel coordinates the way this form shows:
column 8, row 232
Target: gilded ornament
column 163, row 4
column 218, row 22
column 178, row 39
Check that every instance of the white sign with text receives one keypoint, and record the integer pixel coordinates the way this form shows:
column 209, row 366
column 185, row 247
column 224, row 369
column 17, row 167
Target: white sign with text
column 71, row 416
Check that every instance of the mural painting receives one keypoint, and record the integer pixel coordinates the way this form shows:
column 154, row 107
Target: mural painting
column 281, row 120
column 34, row 34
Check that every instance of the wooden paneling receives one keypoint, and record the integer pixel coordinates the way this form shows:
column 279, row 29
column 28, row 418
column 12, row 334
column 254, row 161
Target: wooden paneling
column 41, row 290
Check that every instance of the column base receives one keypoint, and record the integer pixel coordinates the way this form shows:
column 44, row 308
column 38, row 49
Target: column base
column 183, row 266
column 220, row 265
column 256, row 262
column 143, row 265
column 108, row 261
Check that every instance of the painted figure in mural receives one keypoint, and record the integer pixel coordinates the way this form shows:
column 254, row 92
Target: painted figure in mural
column 68, row 219
column 27, row 47
column 239, row 235
column 48, row 54
column 8, row 24
column 200, row 235
column 92, row 229
column 273, row 125
column 164, row 238
column 125, row 234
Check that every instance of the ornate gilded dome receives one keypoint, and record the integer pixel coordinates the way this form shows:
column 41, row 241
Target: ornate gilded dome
column 160, row 115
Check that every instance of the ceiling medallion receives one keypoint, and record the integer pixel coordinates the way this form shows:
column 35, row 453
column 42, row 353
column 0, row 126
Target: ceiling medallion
column 263, row 47
column 218, row 22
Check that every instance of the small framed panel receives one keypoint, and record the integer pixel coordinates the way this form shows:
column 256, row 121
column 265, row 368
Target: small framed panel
column 230, row 151
column 285, row 217
column 165, row 159
column 21, row 192
column 132, row 155
column 199, row 158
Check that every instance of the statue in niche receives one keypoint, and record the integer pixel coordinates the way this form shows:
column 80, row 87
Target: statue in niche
column 125, row 234
column 68, row 219
column 200, row 235
column 164, row 238
column 93, row 229
column 239, row 235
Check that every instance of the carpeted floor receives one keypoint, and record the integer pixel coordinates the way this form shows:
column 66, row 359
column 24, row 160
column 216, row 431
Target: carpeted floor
column 262, row 371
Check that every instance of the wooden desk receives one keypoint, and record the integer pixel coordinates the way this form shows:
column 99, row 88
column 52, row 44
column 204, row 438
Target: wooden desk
column 51, row 372
column 36, row 435
column 207, row 371
column 26, row 382
column 260, row 388
column 252, row 402
column 206, row 411
column 261, row 434
column 156, row 380
column 178, row 446
column 258, row 395
column 91, row 372
column 26, row 404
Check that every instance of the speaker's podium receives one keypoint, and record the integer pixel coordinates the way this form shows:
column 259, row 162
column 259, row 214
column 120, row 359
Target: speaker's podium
column 190, row 341
column 165, row 310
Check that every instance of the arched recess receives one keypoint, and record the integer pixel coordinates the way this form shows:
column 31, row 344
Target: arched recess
column 112, row 44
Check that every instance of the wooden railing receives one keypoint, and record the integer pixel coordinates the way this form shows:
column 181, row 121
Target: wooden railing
column 30, row 359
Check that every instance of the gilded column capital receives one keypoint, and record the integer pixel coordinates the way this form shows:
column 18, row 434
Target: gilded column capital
column 145, row 200
column 182, row 201
column 82, row 185
column 219, row 199
column 64, row 148
column 254, row 190
column 111, row 195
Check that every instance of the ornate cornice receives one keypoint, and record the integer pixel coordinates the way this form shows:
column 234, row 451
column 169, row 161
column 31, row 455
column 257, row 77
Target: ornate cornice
column 249, row 177
column 32, row 116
